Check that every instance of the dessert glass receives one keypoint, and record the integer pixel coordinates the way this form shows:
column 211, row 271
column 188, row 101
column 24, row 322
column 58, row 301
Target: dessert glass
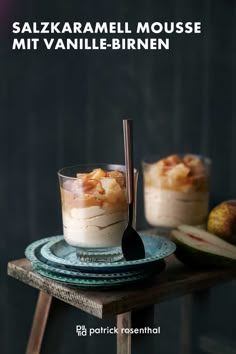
column 176, row 191
column 94, row 209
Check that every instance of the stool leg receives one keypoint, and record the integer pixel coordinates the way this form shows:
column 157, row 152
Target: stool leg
column 193, row 321
column 186, row 325
column 142, row 318
column 123, row 339
column 39, row 323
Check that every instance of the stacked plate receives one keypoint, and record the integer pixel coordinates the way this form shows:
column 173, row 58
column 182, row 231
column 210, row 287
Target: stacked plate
column 53, row 258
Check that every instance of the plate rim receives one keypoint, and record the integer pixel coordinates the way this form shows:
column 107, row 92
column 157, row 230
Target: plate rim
column 95, row 282
column 30, row 254
column 49, row 241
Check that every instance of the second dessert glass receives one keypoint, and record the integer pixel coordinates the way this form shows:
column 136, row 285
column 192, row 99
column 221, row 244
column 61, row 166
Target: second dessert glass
column 94, row 210
column 176, row 191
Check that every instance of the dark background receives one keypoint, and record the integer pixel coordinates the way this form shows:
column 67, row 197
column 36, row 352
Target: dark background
column 61, row 108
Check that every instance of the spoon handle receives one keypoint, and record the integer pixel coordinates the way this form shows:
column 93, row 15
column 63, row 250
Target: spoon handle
column 128, row 147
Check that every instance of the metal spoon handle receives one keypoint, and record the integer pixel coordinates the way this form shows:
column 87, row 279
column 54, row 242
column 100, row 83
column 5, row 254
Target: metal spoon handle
column 128, row 147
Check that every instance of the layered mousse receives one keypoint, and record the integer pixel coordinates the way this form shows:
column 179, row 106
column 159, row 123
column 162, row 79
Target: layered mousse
column 176, row 191
column 94, row 208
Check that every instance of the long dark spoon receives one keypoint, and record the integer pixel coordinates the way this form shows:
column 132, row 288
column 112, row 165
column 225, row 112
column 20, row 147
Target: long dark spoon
column 132, row 244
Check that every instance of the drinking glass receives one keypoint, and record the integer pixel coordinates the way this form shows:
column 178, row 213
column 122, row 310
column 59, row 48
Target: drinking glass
column 176, row 191
column 95, row 209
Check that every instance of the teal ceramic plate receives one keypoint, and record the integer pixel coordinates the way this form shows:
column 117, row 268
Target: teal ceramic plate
column 60, row 254
column 34, row 255
column 97, row 283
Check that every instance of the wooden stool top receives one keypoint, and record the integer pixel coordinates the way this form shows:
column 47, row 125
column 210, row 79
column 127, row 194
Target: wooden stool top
column 176, row 280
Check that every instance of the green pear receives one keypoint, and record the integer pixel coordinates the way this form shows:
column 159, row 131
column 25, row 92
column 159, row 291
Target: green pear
column 222, row 221
column 199, row 248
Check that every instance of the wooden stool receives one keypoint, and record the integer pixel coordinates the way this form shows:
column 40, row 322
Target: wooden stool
column 177, row 280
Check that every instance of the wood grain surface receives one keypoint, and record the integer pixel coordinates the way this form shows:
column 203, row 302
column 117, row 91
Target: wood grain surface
column 176, row 280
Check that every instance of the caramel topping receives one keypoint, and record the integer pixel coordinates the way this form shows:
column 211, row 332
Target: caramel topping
column 177, row 173
column 97, row 188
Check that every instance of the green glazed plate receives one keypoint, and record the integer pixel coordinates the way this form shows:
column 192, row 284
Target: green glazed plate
column 98, row 283
column 38, row 261
column 59, row 254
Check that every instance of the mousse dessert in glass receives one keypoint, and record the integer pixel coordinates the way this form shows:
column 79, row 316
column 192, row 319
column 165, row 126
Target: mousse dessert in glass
column 94, row 209
column 176, row 191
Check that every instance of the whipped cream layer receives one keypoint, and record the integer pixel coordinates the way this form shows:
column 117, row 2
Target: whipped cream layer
column 94, row 226
column 171, row 208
